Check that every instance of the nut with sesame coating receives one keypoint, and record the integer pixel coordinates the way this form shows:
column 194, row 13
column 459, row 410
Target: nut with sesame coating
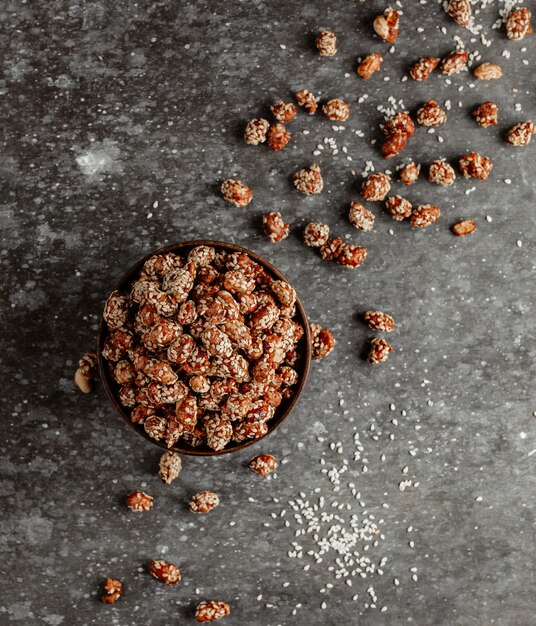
column 322, row 341
column 521, row 134
column 167, row 573
column 326, row 43
column 379, row 321
column 441, row 173
column 306, row 99
column 170, row 467
column 263, row 464
column 315, row 234
column 329, row 250
column 309, row 180
column 400, row 122
column 465, row 227
column 204, row 502
column 424, row 215
column 410, row 173
column 474, row 165
column 398, row 207
column 393, row 144
column 422, row 69
column 113, row 589
column 455, row 62
column 518, row 24
column 376, row 186
column 139, row 502
column 486, row 114
column 278, row 136
column 386, row 25
column 235, row 192
column 431, row 114
column 379, row 351
column 360, row 217
column 275, row 228
column 336, row 110
column 283, row 111
column 211, row 610
column 351, row 256
column 460, row 11
column 369, row 65
column 256, row 131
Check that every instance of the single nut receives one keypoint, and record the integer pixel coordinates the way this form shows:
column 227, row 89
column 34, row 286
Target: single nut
column 283, row 111
column 398, row 207
column 336, row 110
column 322, row 341
column 328, row 250
column 360, row 217
column 486, row 114
column 474, row 165
column 431, row 114
column 376, row 186
column 85, row 374
column 379, row 351
column 350, row 256
column 315, row 234
column 455, row 62
column 423, row 68
column 518, row 24
column 263, row 464
column 460, row 11
column 209, row 611
column 309, row 180
column 167, row 573
column 235, row 192
column 379, row 321
column 521, row 134
column 399, row 123
column 139, row 502
column 204, row 502
column 326, row 43
column 256, row 131
column 170, row 467
column 370, row 65
column 465, row 227
column 278, row 136
column 410, row 173
column 386, row 25
column 425, row 215
column 113, row 589
column 488, row 71
column 393, row 144
column 441, row 173
column 274, row 227
column 306, row 99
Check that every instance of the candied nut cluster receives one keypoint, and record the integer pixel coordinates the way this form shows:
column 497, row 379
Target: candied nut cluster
column 263, row 464
column 275, row 228
column 460, row 11
column 360, row 217
column 455, row 62
column 369, row 65
column 521, row 134
column 376, row 186
column 398, row 208
column 379, row 321
column 326, row 43
column 423, row 68
column 139, row 501
column 205, row 341
column 315, row 234
column 379, row 351
column 113, row 589
column 488, row 71
column 204, row 502
column 283, row 111
column 518, row 24
column 410, row 173
column 235, row 192
column 386, row 25
column 309, row 180
column 431, row 114
column 306, row 99
column 486, row 114
column 256, row 131
column 85, row 374
column 322, row 341
column 336, row 110
column 167, row 573
column 425, row 215
column 211, row 610
column 170, row 467
column 441, row 173
column 465, row 227
column 278, row 136
column 474, row 165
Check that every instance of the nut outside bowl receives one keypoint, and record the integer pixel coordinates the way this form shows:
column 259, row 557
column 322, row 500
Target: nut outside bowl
column 302, row 367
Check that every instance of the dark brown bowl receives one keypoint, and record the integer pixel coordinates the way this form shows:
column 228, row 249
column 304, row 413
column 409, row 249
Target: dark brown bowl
column 302, row 367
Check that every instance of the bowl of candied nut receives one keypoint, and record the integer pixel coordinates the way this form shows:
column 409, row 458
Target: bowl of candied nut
column 204, row 347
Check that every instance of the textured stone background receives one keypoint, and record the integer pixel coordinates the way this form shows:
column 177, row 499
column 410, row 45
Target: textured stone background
column 109, row 107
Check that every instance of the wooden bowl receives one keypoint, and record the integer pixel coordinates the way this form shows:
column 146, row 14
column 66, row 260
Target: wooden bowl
column 302, row 366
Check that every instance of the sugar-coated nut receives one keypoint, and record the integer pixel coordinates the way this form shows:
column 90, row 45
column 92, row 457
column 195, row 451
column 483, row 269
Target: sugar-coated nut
column 322, row 341
column 256, row 131
column 113, row 589
column 369, row 65
column 275, row 228
column 486, row 114
column 283, row 111
column 351, row 256
column 422, row 69
column 336, row 110
column 170, row 467
column 431, row 114
column 441, row 173
column 326, row 43
column 465, row 227
column 306, row 99
column 328, row 250
column 315, row 234
column 360, row 217
column 400, row 122
column 278, row 136
column 379, row 351
column 85, row 374
column 521, row 134
column 263, row 464
column 460, row 11
column 410, row 173
column 518, row 24
column 211, row 610
column 488, row 71
column 139, row 501
column 393, row 144
column 455, row 62
column 167, row 573
column 474, row 165
column 376, row 186
column 116, row 310
column 386, row 25
column 398, row 207
column 309, row 180
column 204, row 502
column 425, row 215
column 379, row 321
column 155, row 426
column 235, row 192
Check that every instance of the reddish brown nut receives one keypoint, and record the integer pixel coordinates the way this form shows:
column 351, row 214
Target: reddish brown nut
column 326, row 43
column 181, row 349
column 170, row 467
column 283, row 111
column 518, row 24
column 369, row 65
column 441, row 173
column 486, row 114
column 235, row 192
column 275, row 228
column 116, row 311
column 284, row 292
column 455, row 62
column 315, row 234
column 474, row 165
column 256, row 131
column 351, row 256
column 113, row 589
column 379, row 351
column 204, row 502
column 167, row 573
column 460, row 11
column 263, row 464
column 85, row 374
column 155, row 426
column 278, row 137
column 309, row 180
column 424, row 215
column 399, row 123
column 465, row 227
column 394, row 144
column 386, row 25
column 521, row 134
column 336, row 110
column 306, row 99
column 360, row 217
column 139, row 501
column 488, row 71
column 376, row 186
column 216, row 342
column 423, row 68
column 398, row 208
column 322, row 341
column 379, row 321
column 431, row 114
column 219, row 432
column 410, row 173
column 328, row 250
column 209, row 611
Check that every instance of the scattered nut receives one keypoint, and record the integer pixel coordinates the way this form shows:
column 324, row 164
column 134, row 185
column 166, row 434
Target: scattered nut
column 379, row 351
column 488, row 71
column 322, row 341
column 209, row 611
column 309, row 180
column 263, row 464
column 306, row 100
column 474, row 165
column 398, row 207
column 315, row 234
column 167, row 573
column 455, row 62
column 85, row 374
column 376, row 186
column 521, row 134
column 386, row 25
column 486, row 114
column 204, row 502
column 256, row 131
column 518, row 24
column 326, row 43
column 400, row 122
column 235, row 192
column 441, row 173
column 139, row 502
column 431, row 114
column 336, row 110
column 275, row 228
column 379, row 321
column 283, row 111
column 370, row 65
column 328, row 250
column 425, row 215
column 170, row 467
column 350, row 256
column 278, row 136
column 394, row 144
column 423, row 68
column 465, row 227
column 460, row 11
column 113, row 589
column 360, row 217
column 410, row 173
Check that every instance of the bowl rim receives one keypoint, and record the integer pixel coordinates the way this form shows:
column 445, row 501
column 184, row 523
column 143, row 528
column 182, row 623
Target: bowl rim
column 305, row 357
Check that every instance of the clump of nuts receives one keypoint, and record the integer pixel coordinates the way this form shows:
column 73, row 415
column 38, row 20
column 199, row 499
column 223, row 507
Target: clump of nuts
column 460, row 11
column 465, row 227
column 326, row 43
column 278, row 136
column 379, row 321
column 386, row 25
column 486, row 114
column 204, row 502
column 263, row 464
column 455, row 62
column 170, row 467
column 376, row 186
column 398, row 207
column 360, row 217
column 113, row 589
column 283, row 111
column 488, row 71
column 211, row 610
column 167, row 573
column 425, row 215
column 309, row 180
column 275, row 228
column 410, row 173
column 369, row 65
column 306, row 99
column 431, row 114
column 139, row 502
column 441, row 173
column 235, row 192
column 336, row 110
column 379, row 351
column 322, row 341
column 518, row 24
column 85, row 374
column 474, row 165
column 315, row 234
column 521, row 134
column 256, row 131
column 422, row 69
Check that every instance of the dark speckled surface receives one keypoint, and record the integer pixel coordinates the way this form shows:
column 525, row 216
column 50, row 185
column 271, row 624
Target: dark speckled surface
column 119, row 120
